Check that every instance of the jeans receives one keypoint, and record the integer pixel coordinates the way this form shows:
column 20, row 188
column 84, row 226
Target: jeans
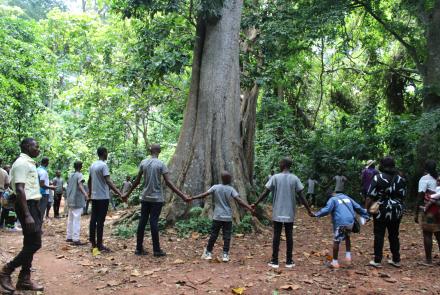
column 31, row 240
column 226, row 227
column 149, row 210
column 97, row 219
column 74, row 224
column 56, row 204
column 3, row 215
column 277, row 228
column 380, row 226
column 43, row 204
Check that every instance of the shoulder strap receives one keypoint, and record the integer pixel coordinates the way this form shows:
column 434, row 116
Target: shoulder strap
column 351, row 210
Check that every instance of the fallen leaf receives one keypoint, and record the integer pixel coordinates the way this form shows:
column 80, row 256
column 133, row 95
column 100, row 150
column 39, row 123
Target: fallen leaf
column 135, row 273
column 238, row 291
column 195, row 235
column 178, row 261
column 290, row 287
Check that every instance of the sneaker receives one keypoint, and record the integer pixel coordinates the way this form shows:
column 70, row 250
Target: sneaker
column 140, row 252
column 290, row 264
column 225, row 257
column 69, row 240
column 334, row 265
column 374, row 264
column 207, row 255
column 159, row 254
column 393, row 263
column 104, row 249
column 78, row 243
column 273, row 264
column 348, row 260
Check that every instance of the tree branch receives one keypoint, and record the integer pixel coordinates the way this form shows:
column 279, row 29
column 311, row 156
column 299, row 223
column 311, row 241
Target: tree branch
column 411, row 49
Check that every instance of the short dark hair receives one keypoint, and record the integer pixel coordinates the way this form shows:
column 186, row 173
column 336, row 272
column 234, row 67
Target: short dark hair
column 101, row 151
column 77, row 165
column 24, row 144
column 44, row 161
column 226, row 177
column 431, row 168
column 155, row 148
column 288, row 162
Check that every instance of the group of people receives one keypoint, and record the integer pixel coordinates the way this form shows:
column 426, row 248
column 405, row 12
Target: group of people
column 384, row 197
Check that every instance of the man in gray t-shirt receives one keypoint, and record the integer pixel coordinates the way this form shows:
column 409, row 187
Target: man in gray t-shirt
column 222, row 196
column 285, row 186
column 99, row 185
column 75, row 197
column 152, row 171
column 340, row 181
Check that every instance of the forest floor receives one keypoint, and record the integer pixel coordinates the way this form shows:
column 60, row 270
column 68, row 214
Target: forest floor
column 65, row 269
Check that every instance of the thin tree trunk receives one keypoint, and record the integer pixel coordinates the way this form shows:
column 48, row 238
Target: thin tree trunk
column 248, row 125
column 210, row 138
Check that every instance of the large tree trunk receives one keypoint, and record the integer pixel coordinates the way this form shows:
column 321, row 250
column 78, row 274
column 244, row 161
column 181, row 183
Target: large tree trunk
column 210, row 139
column 431, row 77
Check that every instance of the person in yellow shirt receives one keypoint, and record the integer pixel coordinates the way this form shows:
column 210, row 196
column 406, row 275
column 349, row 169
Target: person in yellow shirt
column 26, row 187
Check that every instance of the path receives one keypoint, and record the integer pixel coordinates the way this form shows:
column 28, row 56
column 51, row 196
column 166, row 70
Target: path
column 72, row 270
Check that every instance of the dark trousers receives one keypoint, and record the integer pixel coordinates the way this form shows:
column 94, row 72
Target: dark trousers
column 380, row 226
column 226, row 227
column 56, row 204
column 86, row 209
column 3, row 216
column 43, row 204
column 149, row 210
column 31, row 240
column 277, row 228
column 97, row 219
column 312, row 199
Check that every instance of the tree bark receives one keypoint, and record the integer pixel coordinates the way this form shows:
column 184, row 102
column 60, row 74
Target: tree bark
column 248, row 125
column 431, row 76
column 210, row 139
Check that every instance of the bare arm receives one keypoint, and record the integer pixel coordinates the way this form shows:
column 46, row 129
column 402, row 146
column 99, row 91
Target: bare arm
column 243, row 204
column 135, row 184
column 42, row 185
column 113, row 187
column 175, row 189
column 262, row 197
column 89, row 185
column 81, row 189
column 201, row 196
column 29, row 222
column 303, row 200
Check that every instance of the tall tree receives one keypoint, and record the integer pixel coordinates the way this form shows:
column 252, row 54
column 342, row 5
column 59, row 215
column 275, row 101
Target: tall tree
column 210, row 139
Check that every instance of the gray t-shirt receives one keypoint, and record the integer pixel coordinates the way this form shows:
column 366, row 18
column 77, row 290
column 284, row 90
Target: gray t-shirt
column 311, row 183
column 284, row 187
column 58, row 182
column 75, row 198
column 221, row 194
column 126, row 186
column 100, row 189
column 340, row 182
column 153, row 169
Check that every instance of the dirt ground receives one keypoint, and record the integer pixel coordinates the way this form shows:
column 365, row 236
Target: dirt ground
column 65, row 269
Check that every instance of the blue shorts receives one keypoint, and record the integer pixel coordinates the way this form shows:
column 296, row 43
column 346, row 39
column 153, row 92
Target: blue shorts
column 342, row 232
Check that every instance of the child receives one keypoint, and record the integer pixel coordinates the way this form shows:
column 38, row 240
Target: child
column 342, row 208
column 222, row 194
column 285, row 186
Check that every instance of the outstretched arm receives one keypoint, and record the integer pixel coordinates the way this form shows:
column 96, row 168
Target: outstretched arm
column 110, row 183
column 243, row 204
column 263, row 196
column 175, row 189
column 303, row 200
column 326, row 210
column 135, row 184
column 201, row 196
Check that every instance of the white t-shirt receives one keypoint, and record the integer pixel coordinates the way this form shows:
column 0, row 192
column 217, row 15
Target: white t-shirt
column 427, row 182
